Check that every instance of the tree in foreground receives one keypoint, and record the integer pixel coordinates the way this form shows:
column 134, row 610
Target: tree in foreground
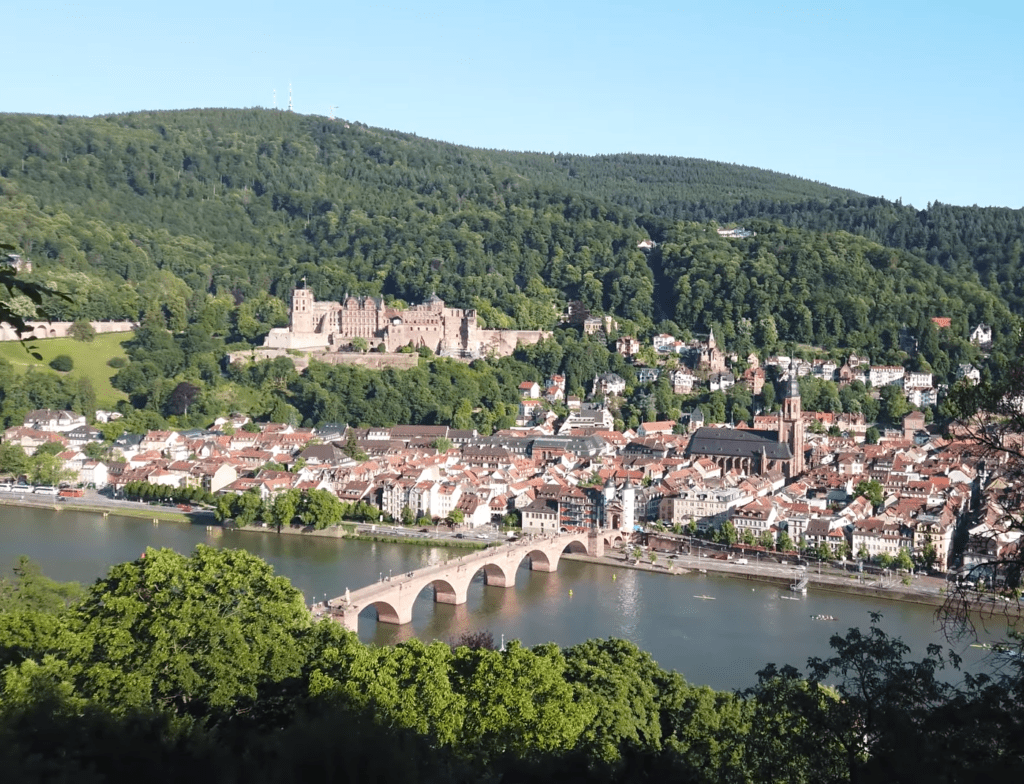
column 868, row 713
column 198, row 634
column 990, row 418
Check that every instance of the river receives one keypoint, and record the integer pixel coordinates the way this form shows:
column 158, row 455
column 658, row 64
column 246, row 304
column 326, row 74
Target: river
column 719, row 642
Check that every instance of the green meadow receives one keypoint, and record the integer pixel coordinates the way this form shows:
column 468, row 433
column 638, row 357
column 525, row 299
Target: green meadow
column 90, row 360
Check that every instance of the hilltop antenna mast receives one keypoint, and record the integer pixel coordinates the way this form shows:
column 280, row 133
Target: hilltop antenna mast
column 275, row 97
column 289, row 96
column 330, row 112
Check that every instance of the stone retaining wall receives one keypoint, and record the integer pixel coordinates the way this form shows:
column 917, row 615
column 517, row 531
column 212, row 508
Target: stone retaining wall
column 42, row 330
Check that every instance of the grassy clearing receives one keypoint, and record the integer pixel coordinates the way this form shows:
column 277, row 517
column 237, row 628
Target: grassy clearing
column 90, row 360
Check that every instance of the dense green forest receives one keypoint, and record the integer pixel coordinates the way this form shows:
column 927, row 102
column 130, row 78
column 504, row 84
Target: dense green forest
column 210, row 668
column 201, row 222
column 164, row 207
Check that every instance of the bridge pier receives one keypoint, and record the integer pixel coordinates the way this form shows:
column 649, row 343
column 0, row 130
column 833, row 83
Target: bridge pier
column 500, row 578
column 543, row 564
column 445, row 593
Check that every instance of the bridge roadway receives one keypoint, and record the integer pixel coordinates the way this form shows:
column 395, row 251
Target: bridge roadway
column 393, row 598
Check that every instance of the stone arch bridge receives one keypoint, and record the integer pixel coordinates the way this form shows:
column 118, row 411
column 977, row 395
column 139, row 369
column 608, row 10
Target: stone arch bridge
column 393, row 599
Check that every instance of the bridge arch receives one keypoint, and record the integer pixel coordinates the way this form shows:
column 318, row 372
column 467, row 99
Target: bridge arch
column 540, row 561
column 448, row 592
column 613, row 539
column 385, row 611
column 495, row 574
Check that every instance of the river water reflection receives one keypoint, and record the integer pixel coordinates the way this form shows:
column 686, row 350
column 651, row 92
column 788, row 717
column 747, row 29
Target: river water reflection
column 720, row 642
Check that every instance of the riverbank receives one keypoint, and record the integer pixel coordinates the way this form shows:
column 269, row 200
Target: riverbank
column 339, row 532
column 125, row 509
column 925, row 594
column 100, row 504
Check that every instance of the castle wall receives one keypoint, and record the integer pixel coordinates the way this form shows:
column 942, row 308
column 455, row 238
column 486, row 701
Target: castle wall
column 41, row 330
column 284, row 338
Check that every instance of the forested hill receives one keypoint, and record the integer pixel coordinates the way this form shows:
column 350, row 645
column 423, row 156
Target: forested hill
column 161, row 210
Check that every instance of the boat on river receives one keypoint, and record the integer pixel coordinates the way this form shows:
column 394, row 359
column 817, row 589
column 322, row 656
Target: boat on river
column 702, row 596
column 791, row 598
column 823, row 618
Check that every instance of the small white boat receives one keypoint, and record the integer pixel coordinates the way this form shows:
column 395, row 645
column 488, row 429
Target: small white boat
column 704, row 597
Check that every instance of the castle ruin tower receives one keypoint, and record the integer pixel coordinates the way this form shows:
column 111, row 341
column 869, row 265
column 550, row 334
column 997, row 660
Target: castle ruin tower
column 302, row 309
column 791, row 425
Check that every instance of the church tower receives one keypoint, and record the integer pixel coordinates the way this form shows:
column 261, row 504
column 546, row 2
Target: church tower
column 791, row 425
column 302, row 309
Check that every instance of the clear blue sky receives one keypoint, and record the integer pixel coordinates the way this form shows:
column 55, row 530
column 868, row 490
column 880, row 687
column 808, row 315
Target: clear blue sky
column 914, row 100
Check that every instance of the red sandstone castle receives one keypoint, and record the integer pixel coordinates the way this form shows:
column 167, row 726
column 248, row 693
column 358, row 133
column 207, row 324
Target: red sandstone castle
column 446, row 331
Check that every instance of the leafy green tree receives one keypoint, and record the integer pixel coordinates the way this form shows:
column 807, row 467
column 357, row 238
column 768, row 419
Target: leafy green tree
column 284, row 508
column 47, row 469
column 320, row 508
column 928, row 553
column 247, row 508
column 225, row 507
column 870, row 489
column 783, row 743
column 352, row 448
column 903, row 560
column 518, row 702
column 872, row 435
column 82, row 330
column 13, row 459
column 35, row 293
column 882, row 706
column 894, row 405
column 623, row 686
column 727, row 533
column 785, row 544
column 63, row 363
column 197, row 633
column 32, row 591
